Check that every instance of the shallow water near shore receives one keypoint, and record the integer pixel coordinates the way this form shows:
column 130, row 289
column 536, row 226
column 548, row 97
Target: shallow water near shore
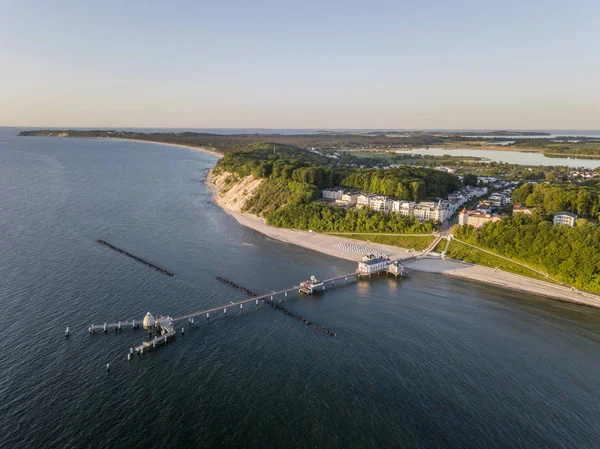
column 425, row 362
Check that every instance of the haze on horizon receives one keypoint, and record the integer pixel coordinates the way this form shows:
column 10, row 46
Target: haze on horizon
column 270, row 64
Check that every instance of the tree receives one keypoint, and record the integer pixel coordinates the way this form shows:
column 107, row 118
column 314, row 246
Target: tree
column 470, row 180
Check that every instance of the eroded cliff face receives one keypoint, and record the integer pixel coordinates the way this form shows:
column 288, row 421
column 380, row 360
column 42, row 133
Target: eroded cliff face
column 231, row 191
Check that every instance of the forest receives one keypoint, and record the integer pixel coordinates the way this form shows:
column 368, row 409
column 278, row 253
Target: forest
column 292, row 164
column 569, row 254
column 293, row 179
column 323, row 218
column 583, row 200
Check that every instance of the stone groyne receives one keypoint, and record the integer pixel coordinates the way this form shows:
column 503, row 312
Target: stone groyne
column 139, row 259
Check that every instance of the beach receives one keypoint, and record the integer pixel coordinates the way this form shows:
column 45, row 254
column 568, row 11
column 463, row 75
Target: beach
column 188, row 147
column 328, row 244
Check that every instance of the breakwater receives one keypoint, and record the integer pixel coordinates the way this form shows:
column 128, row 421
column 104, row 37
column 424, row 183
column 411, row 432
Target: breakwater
column 278, row 307
column 139, row 259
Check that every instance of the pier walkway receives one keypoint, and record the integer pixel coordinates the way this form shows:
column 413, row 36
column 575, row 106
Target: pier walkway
column 120, row 325
column 164, row 326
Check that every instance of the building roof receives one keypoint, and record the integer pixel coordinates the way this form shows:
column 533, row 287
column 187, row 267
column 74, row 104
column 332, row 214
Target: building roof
column 376, row 261
column 569, row 214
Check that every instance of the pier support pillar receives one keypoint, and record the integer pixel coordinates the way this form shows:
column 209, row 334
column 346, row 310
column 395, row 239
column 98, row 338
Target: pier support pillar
column 271, row 297
column 241, row 306
column 286, row 294
column 257, row 302
column 225, row 311
column 207, row 315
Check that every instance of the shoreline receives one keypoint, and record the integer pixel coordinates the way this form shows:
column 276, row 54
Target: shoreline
column 323, row 243
column 180, row 145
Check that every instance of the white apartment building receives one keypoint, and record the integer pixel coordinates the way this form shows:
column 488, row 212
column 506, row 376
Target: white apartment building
column 566, row 218
column 348, row 199
column 406, row 208
column 381, row 203
column 431, row 211
column 332, row 194
column 364, row 200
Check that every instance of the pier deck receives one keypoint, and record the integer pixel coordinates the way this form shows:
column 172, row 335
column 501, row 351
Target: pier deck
column 164, row 325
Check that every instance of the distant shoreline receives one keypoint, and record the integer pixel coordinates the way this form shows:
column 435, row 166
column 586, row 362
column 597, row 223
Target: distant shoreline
column 188, row 147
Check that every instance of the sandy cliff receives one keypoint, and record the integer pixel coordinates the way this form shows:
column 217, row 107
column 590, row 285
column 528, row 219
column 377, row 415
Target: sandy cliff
column 230, row 192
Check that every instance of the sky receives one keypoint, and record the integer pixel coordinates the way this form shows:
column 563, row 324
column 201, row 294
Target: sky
column 301, row 64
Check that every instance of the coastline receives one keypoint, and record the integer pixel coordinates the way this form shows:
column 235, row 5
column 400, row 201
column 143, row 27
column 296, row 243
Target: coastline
column 323, row 243
column 188, row 147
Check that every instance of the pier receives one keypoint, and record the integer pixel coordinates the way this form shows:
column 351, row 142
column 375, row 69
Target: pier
column 280, row 308
column 164, row 326
column 139, row 259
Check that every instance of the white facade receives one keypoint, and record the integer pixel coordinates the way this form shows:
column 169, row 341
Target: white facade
column 363, row 200
column 381, row 204
column 431, row 211
column 566, row 218
column 406, row 208
column 332, row 194
column 349, row 198
column 370, row 264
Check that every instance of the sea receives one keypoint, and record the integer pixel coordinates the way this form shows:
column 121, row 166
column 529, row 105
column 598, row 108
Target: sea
column 423, row 362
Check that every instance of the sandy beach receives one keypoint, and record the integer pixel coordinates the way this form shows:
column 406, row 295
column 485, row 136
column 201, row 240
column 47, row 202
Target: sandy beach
column 188, row 147
column 325, row 244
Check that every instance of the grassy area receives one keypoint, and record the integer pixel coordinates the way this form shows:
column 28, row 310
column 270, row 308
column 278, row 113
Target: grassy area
column 457, row 250
column 367, row 154
column 416, row 242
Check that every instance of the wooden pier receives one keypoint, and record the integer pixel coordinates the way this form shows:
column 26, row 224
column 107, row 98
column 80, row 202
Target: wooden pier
column 164, row 326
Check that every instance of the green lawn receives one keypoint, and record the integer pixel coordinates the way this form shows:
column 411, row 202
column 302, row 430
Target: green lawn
column 457, row 250
column 416, row 242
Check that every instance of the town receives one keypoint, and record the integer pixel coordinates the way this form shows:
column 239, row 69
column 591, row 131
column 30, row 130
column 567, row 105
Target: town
column 489, row 207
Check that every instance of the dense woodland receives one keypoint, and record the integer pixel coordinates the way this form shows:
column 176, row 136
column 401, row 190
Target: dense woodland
column 562, row 146
column 583, row 200
column 293, row 178
column 569, row 254
column 323, row 218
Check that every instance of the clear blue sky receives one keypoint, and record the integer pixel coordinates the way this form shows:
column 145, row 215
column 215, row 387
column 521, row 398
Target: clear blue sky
column 277, row 64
